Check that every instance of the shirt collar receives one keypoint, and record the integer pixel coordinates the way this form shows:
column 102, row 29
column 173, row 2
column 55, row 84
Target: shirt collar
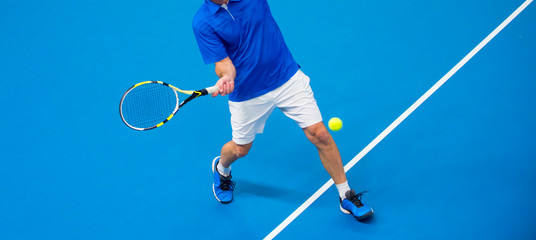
column 213, row 8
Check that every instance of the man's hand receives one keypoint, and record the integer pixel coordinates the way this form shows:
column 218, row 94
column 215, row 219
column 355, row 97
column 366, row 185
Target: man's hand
column 226, row 71
column 225, row 86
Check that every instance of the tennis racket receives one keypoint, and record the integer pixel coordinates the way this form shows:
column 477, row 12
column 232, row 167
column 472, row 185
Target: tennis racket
column 150, row 104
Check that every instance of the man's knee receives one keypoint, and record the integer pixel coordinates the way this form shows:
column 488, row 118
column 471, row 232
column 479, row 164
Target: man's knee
column 241, row 150
column 318, row 134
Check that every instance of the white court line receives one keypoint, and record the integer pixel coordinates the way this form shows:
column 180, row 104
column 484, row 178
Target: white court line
column 399, row 120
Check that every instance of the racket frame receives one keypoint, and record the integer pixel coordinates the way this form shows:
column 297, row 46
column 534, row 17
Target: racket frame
column 193, row 95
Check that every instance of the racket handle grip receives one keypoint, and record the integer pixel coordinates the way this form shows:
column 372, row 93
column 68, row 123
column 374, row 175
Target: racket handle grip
column 212, row 89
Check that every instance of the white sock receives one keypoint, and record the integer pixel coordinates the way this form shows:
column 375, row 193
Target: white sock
column 223, row 171
column 343, row 188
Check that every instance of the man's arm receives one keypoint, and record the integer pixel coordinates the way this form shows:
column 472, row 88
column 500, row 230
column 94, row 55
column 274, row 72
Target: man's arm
column 226, row 71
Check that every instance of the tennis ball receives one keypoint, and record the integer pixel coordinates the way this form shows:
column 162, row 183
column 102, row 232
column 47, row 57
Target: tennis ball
column 335, row 124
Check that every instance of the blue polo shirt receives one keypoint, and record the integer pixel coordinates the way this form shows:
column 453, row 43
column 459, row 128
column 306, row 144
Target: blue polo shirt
column 247, row 33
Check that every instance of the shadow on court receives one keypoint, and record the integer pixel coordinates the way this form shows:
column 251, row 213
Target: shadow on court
column 244, row 187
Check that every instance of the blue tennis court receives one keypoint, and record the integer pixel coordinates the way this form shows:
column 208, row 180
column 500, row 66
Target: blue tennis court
column 461, row 166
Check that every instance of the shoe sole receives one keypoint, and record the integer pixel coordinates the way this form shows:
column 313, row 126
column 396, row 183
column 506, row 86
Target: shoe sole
column 213, row 191
column 366, row 215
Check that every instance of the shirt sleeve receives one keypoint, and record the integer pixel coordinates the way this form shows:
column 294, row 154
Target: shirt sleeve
column 210, row 45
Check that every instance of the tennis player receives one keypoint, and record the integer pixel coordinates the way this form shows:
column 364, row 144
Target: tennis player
column 258, row 73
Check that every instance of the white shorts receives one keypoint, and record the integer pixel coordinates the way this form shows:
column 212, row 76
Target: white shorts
column 294, row 98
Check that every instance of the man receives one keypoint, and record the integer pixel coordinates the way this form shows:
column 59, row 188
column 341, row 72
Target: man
column 257, row 71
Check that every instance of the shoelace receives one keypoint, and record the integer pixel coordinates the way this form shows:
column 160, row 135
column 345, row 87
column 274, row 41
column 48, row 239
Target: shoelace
column 227, row 184
column 356, row 199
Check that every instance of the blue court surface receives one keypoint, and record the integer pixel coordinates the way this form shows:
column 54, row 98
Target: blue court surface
column 461, row 166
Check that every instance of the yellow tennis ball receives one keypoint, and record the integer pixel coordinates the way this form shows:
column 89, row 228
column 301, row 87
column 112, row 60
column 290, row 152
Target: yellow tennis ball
column 335, row 124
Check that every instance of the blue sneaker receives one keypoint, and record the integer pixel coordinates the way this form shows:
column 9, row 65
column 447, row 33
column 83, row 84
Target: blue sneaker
column 352, row 205
column 223, row 186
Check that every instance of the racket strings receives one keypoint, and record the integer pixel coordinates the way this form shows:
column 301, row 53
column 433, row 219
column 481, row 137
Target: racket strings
column 147, row 105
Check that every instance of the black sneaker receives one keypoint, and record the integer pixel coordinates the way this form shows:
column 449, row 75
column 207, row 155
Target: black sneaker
column 223, row 186
column 352, row 205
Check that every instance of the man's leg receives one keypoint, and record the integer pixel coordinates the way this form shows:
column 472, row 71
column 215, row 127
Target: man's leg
column 331, row 159
column 247, row 119
column 223, row 186
column 296, row 99
column 328, row 151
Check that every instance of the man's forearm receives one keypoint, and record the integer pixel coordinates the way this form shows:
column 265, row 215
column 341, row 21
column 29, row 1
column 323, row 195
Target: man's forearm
column 226, row 71
column 225, row 67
